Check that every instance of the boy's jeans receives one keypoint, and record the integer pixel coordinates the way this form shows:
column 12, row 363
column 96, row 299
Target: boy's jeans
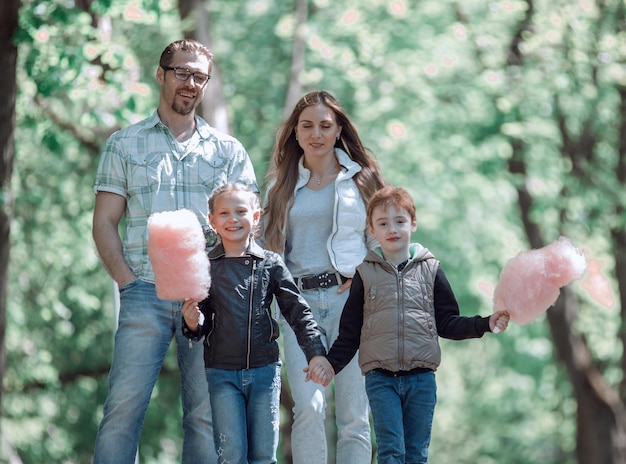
column 145, row 330
column 402, row 409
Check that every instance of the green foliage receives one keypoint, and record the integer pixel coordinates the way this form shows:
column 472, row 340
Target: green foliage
column 75, row 90
column 429, row 87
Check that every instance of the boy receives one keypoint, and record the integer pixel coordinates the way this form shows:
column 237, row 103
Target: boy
column 400, row 303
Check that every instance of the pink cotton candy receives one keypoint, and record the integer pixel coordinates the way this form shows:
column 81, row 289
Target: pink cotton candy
column 177, row 250
column 530, row 282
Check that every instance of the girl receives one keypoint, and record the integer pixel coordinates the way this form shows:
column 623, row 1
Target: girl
column 240, row 349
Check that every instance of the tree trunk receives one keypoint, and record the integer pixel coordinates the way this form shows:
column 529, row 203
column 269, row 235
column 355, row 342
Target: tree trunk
column 8, row 90
column 298, row 54
column 601, row 414
column 293, row 94
column 197, row 25
column 618, row 233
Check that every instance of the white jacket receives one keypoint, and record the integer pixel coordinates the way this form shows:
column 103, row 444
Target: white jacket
column 349, row 240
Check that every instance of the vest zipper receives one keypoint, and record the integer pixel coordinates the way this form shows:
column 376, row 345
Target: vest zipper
column 400, row 320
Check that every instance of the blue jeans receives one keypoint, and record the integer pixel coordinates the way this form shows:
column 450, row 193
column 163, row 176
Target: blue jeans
column 402, row 409
column 246, row 413
column 308, row 436
column 144, row 333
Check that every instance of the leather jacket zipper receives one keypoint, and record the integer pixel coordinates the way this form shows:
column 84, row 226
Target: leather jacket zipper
column 250, row 312
column 206, row 339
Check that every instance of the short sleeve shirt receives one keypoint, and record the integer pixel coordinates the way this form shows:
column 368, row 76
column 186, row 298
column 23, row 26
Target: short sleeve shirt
column 144, row 164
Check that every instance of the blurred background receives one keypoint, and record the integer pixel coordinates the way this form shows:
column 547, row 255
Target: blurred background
column 506, row 120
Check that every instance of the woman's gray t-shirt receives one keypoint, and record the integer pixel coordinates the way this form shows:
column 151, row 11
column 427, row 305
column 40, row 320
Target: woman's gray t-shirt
column 309, row 225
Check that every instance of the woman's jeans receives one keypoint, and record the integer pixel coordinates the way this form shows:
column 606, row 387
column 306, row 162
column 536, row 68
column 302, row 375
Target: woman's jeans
column 402, row 409
column 145, row 330
column 246, row 413
column 308, row 436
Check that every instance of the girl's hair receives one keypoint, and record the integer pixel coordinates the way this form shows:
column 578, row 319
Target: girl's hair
column 390, row 195
column 185, row 45
column 283, row 171
column 234, row 187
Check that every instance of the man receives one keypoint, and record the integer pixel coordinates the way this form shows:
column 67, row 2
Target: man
column 171, row 160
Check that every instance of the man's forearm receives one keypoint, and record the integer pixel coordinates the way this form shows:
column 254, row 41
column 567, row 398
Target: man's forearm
column 109, row 246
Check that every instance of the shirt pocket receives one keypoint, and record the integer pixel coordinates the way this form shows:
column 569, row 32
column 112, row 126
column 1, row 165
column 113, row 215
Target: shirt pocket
column 211, row 165
column 147, row 171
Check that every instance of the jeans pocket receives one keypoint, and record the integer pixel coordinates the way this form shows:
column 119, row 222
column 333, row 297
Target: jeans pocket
column 129, row 285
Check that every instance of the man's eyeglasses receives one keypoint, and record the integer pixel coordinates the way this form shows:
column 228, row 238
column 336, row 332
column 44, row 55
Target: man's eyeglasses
column 182, row 74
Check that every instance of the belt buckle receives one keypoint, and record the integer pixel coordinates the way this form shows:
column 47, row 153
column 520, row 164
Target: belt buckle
column 300, row 281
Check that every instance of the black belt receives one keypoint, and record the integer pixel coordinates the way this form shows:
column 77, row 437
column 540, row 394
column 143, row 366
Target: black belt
column 325, row 280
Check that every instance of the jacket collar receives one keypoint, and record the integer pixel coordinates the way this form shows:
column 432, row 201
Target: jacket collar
column 349, row 168
column 254, row 249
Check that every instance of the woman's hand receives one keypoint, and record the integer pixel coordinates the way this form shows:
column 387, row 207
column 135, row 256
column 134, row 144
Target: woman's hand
column 345, row 286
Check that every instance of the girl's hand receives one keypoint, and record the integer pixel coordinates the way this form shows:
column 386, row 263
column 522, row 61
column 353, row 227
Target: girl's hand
column 319, row 371
column 192, row 314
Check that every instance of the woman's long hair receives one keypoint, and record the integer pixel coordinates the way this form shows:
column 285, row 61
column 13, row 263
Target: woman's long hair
column 283, row 171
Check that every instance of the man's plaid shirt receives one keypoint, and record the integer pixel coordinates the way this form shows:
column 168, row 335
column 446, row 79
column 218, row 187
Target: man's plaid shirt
column 144, row 164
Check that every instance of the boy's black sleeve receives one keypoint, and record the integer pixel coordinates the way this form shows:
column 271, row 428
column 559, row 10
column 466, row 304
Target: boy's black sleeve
column 347, row 343
column 450, row 324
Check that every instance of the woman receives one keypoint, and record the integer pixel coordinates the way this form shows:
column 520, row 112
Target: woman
column 318, row 186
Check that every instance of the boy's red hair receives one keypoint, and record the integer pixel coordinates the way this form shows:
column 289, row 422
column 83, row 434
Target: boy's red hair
column 390, row 195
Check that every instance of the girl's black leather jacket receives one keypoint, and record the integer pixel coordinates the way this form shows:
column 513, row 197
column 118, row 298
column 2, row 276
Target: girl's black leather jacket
column 239, row 328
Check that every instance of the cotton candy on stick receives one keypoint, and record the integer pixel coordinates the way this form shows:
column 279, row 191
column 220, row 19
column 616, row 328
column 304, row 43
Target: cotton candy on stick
column 177, row 250
column 530, row 282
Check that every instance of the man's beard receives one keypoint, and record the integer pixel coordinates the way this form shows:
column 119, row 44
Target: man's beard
column 182, row 109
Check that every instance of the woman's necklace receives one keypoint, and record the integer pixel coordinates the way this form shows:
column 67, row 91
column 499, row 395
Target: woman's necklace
column 318, row 180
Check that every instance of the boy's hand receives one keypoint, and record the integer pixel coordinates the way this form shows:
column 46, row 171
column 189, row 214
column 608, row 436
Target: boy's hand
column 192, row 314
column 319, row 370
column 499, row 321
